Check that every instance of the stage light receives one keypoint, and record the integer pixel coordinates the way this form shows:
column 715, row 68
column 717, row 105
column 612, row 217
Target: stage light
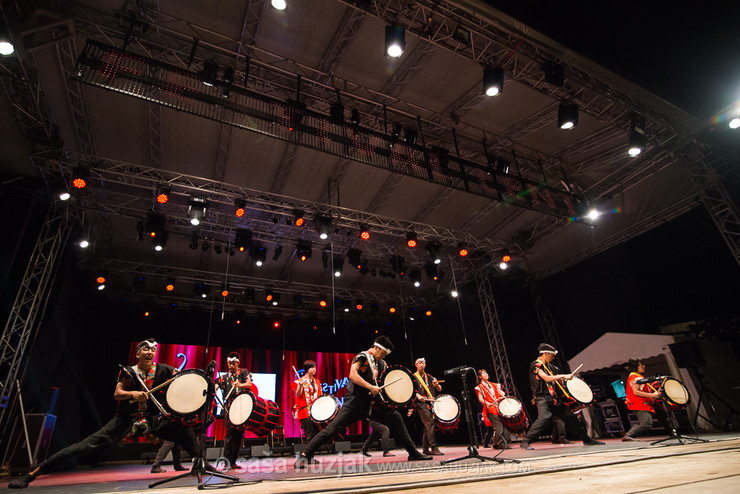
column 428, row 313
column 298, row 217
column 411, row 239
column 355, row 120
column 433, row 249
column 64, row 195
column 279, row 4
column 163, row 194
column 355, row 257
column 397, row 263
column 567, row 115
column 146, row 314
column 396, row 132
column 323, row 226
column 410, row 136
column 243, row 239
column 101, row 287
column 593, row 214
column 431, row 271
column 6, row 45
column 637, row 143
column 80, row 177
column 338, row 266
column 304, row 250
column 454, row 293
column 275, row 299
column 358, row 304
column 493, row 81
column 392, row 309
column 734, row 123
column 170, row 286
column 240, row 207
column 259, row 254
column 364, row 232
column 277, row 253
column 196, row 210
column 276, row 324
column 225, row 290
column 160, row 241
column 155, row 224
column 100, row 280
column 506, row 258
column 395, row 40
column 554, row 73
column 415, row 276
column 84, row 243
column 209, row 73
column 322, row 302
column 269, row 295
column 462, row 249
column 201, row 290
column 503, row 265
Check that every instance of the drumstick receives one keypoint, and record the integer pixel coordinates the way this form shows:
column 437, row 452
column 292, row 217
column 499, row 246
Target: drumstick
column 157, row 388
column 154, row 400
column 577, row 369
column 440, row 380
column 388, row 384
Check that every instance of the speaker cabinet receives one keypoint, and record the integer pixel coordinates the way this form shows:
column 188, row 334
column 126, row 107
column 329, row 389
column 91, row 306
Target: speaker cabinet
column 40, row 429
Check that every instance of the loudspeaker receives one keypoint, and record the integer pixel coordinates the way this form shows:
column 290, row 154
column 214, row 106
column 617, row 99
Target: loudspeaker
column 687, row 354
column 40, row 429
column 298, row 448
column 342, row 446
column 262, row 450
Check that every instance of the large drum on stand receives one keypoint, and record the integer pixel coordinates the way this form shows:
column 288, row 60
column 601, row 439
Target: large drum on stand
column 186, row 397
column 252, row 413
column 580, row 392
column 511, row 413
column 324, row 409
column 399, row 385
column 446, row 412
column 674, row 393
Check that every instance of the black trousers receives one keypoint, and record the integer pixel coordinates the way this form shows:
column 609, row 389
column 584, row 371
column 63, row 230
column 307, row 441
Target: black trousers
column 379, row 431
column 232, row 443
column 115, row 430
column 546, row 408
column 497, row 431
column 165, row 448
column 428, row 441
column 356, row 409
column 310, row 429
column 645, row 421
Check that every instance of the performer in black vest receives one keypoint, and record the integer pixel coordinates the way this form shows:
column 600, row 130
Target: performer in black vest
column 360, row 403
column 427, row 388
column 240, row 380
column 128, row 388
column 543, row 376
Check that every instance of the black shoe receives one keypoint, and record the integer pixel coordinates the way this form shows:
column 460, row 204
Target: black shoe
column 234, row 467
column 565, row 441
column 157, row 469
column 525, row 445
column 486, row 445
column 303, row 462
column 437, row 452
column 21, row 482
column 180, row 467
column 364, row 452
column 419, row 457
column 592, row 442
column 387, row 454
column 427, row 452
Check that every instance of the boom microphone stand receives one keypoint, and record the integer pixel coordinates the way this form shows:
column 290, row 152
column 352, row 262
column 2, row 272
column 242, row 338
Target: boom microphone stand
column 462, row 371
column 199, row 464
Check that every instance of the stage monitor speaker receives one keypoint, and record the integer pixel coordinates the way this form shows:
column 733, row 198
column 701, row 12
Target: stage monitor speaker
column 687, row 354
column 40, row 430
column 262, row 450
column 342, row 446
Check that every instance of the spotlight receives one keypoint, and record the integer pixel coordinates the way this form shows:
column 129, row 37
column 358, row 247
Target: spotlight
column 454, row 293
column 323, row 226
column 84, row 243
column 415, row 276
column 358, row 304
column 80, row 177
column 101, row 287
column 196, row 210
column 462, row 249
column 734, row 123
column 160, row 241
column 170, row 286
column 205, row 246
column 258, row 254
column 567, row 115
column 304, row 249
column 225, row 290
column 239, row 207
column 209, row 73
column 338, row 266
column 269, row 295
column 6, row 45
column 411, row 239
column 503, row 265
column 355, row 257
column 100, row 280
column 493, row 81
column 163, row 194
column 506, row 258
column 298, row 219
column 279, row 4
column 243, row 239
column 433, row 249
column 155, row 224
column 278, row 251
column 637, row 143
column 431, row 271
column 395, row 40
column 593, row 214
column 201, row 290
column 392, row 309
column 364, row 232
column 428, row 313
column 64, row 195
column 322, row 301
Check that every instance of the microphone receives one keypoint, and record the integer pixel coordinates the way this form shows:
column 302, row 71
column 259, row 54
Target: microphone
column 211, row 368
column 645, row 380
column 456, row 371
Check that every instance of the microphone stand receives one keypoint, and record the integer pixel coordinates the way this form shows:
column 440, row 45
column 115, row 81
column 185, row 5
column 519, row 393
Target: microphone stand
column 472, row 438
column 199, row 464
column 674, row 432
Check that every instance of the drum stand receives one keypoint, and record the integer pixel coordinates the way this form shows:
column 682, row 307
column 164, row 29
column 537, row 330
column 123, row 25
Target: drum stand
column 473, row 440
column 199, row 464
column 675, row 434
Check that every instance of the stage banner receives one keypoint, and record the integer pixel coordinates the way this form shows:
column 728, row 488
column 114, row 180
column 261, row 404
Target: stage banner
column 272, row 373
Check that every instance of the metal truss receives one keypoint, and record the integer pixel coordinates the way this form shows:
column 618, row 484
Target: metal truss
column 30, row 303
column 547, row 324
column 500, row 358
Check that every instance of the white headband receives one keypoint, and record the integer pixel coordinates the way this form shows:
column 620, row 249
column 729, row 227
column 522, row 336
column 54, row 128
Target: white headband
column 420, row 359
column 147, row 344
column 232, row 359
column 549, row 351
column 382, row 348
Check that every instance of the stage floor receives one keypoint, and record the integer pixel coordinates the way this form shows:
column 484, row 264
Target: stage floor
column 616, row 467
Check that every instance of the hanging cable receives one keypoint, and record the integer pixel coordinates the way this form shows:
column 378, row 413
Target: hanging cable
column 459, row 307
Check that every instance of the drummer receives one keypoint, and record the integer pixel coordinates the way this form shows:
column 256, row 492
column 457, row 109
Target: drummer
column 489, row 394
column 361, row 402
column 307, row 389
column 640, row 398
column 240, row 380
column 543, row 377
column 128, row 388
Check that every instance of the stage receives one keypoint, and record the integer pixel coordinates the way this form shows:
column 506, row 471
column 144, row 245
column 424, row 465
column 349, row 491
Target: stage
column 615, row 467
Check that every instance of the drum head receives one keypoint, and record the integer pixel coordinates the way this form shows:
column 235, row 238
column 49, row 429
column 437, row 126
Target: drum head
column 446, row 408
column 676, row 391
column 579, row 390
column 402, row 390
column 509, row 407
column 241, row 408
column 323, row 408
column 187, row 393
